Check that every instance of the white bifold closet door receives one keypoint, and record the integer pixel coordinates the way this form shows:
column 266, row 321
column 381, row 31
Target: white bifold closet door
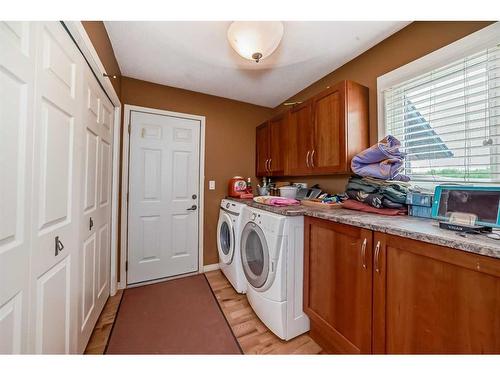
column 55, row 174
column 17, row 77
column 56, row 188
column 96, row 206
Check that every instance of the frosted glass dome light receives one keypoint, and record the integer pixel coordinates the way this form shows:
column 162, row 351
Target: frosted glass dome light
column 255, row 40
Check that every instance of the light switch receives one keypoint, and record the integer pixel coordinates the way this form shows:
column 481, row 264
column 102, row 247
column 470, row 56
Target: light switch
column 211, row 185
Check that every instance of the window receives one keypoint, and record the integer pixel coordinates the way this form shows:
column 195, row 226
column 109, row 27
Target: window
column 448, row 119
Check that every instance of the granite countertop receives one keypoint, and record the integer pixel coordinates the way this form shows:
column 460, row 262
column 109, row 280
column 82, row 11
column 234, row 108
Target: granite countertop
column 420, row 229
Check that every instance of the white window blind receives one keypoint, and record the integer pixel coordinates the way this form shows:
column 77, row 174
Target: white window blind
column 448, row 120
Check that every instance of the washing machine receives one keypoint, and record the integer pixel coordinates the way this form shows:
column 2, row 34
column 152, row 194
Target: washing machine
column 228, row 243
column 272, row 256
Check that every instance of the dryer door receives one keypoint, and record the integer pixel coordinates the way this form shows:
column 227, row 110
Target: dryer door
column 254, row 255
column 225, row 238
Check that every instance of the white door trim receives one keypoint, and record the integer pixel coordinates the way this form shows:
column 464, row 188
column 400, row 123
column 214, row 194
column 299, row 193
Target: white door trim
column 128, row 108
column 82, row 40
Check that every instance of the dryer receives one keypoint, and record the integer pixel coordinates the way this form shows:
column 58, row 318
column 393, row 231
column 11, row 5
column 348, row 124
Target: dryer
column 272, row 256
column 228, row 243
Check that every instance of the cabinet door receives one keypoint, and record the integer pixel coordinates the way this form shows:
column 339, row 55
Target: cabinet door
column 299, row 138
column 262, row 150
column 338, row 285
column 433, row 299
column 329, row 149
column 277, row 144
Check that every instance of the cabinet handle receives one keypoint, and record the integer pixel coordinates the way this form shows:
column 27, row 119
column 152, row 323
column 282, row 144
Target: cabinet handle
column 363, row 253
column 270, row 162
column 267, row 168
column 312, row 158
column 307, row 159
column 377, row 254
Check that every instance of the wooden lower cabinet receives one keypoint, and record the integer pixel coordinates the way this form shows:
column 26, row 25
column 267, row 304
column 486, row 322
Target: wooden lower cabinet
column 338, row 285
column 433, row 299
column 412, row 297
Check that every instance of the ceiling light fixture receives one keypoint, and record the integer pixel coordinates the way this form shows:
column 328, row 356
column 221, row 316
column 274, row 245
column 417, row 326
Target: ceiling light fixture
column 255, row 40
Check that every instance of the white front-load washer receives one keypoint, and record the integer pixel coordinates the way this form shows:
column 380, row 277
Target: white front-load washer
column 228, row 243
column 272, row 256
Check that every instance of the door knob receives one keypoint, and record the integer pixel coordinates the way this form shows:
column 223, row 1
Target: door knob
column 58, row 246
column 192, row 208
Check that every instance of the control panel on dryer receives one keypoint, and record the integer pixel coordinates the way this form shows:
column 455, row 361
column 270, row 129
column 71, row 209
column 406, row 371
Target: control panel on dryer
column 255, row 217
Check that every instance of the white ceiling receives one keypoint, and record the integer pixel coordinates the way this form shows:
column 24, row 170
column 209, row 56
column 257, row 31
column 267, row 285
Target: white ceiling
column 196, row 55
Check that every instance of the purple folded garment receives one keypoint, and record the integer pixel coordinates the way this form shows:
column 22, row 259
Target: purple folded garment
column 383, row 160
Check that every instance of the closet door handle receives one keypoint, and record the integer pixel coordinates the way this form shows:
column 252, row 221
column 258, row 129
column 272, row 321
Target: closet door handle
column 91, row 224
column 363, row 253
column 307, row 159
column 377, row 255
column 312, row 158
column 59, row 246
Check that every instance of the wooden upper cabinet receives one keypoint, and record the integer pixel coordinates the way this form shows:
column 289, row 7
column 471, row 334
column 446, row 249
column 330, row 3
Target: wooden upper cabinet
column 433, row 299
column 328, row 154
column 317, row 137
column 326, row 131
column 277, row 144
column 262, row 149
column 340, row 126
column 270, row 147
column 338, row 285
column 299, row 140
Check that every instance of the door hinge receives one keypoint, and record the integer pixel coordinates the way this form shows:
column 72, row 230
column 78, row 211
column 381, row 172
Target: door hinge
column 129, row 127
column 126, row 265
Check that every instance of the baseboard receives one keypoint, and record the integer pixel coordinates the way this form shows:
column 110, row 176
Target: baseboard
column 211, row 267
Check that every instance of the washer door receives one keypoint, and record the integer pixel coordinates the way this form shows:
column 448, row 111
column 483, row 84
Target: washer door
column 254, row 255
column 225, row 238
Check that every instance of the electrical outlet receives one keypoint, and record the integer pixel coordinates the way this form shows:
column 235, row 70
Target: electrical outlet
column 211, row 185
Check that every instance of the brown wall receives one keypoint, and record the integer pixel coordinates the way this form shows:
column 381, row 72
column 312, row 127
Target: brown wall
column 229, row 140
column 100, row 39
column 412, row 42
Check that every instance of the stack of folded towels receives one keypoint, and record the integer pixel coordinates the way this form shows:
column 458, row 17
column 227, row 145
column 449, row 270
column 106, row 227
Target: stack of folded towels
column 378, row 186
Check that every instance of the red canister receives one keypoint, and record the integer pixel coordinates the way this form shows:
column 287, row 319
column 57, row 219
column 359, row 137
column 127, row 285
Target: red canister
column 237, row 187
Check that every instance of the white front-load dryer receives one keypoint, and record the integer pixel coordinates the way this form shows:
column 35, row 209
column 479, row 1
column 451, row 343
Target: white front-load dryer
column 228, row 243
column 272, row 253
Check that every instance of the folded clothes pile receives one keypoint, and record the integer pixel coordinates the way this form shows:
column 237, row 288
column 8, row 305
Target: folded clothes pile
column 377, row 193
column 276, row 201
column 378, row 182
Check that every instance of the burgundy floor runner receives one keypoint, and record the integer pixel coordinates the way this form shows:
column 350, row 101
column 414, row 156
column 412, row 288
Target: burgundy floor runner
column 181, row 316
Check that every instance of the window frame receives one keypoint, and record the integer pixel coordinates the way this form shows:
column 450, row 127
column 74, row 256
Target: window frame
column 485, row 38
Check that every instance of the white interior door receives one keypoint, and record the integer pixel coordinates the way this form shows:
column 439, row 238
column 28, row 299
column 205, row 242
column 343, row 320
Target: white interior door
column 17, row 71
column 163, row 196
column 56, row 181
column 94, row 262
